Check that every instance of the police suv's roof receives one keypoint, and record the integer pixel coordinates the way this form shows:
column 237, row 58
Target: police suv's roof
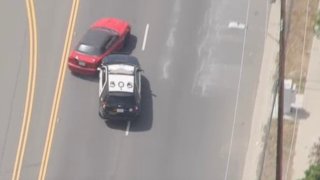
column 121, row 78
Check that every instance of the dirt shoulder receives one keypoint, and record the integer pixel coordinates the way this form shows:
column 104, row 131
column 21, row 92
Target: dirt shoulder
column 298, row 55
column 300, row 34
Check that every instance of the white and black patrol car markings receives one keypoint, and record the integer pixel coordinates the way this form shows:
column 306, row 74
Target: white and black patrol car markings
column 120, row 83
column 121, row 78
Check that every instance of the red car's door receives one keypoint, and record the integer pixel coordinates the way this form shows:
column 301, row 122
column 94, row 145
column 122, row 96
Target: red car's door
column 118, row 44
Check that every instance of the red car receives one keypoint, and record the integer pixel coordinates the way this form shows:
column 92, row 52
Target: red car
column 104, row 37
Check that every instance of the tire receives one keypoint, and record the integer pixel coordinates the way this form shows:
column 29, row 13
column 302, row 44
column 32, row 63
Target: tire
column 127, row 38
column 102, row 113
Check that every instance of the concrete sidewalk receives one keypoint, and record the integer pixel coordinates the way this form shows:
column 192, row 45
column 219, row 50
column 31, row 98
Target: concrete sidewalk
column 309, row 128
column 264, row 98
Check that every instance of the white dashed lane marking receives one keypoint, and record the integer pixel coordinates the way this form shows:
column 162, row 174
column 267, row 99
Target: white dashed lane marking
column 145, row 37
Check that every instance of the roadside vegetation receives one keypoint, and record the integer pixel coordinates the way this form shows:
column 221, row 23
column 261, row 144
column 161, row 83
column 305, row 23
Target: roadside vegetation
column 269, row 170
column 313, row 173
column 317, row 25
column 297, row 62
column 299, row 30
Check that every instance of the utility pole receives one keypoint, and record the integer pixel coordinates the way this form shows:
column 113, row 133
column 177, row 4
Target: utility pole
column 282, row 58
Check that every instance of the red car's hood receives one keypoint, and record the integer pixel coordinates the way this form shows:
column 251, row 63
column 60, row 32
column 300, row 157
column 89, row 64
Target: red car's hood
column 85, row 57
column 117, row 25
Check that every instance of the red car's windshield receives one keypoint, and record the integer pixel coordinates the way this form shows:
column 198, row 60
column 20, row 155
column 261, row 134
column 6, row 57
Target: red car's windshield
column 96, row 41
column 90, row 50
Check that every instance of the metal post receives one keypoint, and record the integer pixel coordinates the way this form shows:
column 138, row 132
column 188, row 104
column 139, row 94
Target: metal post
column 281, row 90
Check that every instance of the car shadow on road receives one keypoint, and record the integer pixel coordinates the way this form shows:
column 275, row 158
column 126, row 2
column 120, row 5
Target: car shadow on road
column 144, row 122
column 129, row 45
column 92, row 78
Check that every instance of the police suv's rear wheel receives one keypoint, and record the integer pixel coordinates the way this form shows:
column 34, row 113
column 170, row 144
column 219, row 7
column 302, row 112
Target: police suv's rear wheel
column 102, row 114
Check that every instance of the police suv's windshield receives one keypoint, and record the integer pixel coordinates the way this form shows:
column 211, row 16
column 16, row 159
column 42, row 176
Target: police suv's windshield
column 121, row 69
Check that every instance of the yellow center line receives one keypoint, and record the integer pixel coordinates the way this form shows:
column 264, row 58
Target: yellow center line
column 58, row 90
column 30, row 90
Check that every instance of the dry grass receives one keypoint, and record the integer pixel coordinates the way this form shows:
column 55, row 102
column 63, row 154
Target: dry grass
column 269, row 165
column 296, row 60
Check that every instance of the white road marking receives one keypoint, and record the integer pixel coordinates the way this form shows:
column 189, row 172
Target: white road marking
column 238, row 93
column 165, row 69
column 170, row 42
column 145, row 37
column 167, row 57
column 236, row 25
column 128, row 128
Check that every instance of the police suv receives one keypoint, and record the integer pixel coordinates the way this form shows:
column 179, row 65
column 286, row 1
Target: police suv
column 119, row 87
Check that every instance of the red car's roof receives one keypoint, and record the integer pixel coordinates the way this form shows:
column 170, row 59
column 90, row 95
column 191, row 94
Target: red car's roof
column 115, row 24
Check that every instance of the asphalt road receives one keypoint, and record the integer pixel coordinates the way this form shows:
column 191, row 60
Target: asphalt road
column 198, row 92
column 51, row 20
column 13, row 79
